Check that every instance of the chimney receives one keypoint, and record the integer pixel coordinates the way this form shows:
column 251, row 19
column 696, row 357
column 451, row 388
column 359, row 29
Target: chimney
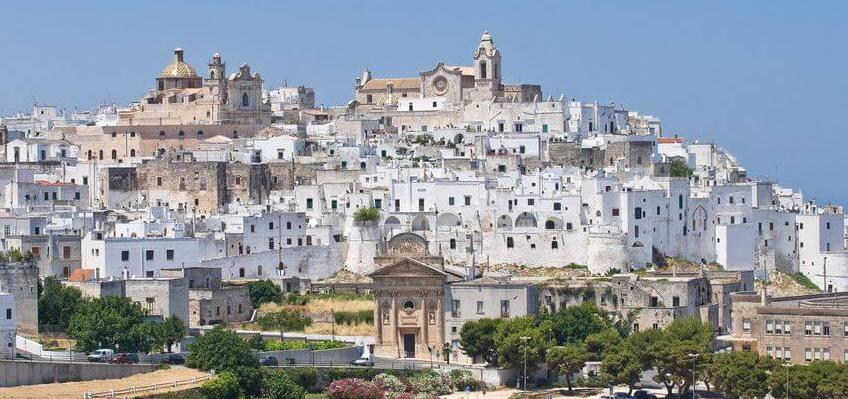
column 178, row 54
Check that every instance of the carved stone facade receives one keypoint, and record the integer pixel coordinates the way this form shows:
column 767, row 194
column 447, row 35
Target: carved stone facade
column 409, row 296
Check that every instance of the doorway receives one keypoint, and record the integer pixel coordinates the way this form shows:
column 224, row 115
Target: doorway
column 409, row 346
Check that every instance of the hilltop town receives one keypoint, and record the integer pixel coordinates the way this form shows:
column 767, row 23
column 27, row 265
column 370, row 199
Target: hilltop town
column 388, row 224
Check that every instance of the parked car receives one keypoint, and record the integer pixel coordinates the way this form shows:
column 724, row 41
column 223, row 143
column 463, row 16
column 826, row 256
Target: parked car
column 100, row 355
column 121, row 358
column 622, row 395
column 643, row 394
column 174, row 359
column 269, row 361
column 363, row 362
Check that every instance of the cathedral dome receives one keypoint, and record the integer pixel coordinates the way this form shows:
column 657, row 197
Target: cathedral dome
column 178, row 68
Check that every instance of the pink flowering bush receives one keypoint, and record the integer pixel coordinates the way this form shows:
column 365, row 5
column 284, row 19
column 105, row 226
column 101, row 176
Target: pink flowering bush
column 354, row 388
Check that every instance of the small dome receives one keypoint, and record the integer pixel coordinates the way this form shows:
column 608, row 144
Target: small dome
column 178, row 68
column 486, row 37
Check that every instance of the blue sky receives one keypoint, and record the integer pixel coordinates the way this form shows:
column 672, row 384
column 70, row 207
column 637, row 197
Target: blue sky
column 764, row 79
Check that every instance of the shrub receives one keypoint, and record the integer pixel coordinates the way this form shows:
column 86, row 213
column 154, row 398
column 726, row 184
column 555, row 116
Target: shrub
column 460, row 379
column 390, row 383
column 279, row 385
column 333, row 374
column 363, row 316
column 431, row 382
column 287, row 320
column 307, row 377
column 296, row 300
column 354, row 388
column 223, row 386
column 285, row 345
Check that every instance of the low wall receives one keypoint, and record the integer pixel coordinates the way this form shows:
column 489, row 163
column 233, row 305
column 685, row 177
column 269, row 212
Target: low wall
column 15, row 373
column 341, row 356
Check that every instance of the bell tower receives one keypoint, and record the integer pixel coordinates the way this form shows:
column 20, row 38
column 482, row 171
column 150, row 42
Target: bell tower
column 216, row 79
column 487, row 69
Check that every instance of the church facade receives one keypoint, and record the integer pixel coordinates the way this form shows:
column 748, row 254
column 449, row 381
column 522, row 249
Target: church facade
column 451, row 85
column 409, row 297
column 182, row 97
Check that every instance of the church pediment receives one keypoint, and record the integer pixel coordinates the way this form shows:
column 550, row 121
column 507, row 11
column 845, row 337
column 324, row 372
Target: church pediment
column 408, row 268
column 441, row 68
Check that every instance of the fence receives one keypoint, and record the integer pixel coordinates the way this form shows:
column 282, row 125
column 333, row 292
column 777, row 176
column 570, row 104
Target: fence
column 37, row 350
column 114, row 393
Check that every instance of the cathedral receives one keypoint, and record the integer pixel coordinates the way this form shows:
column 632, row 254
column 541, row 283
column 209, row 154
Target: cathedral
column 453, row 85
column 182, row 97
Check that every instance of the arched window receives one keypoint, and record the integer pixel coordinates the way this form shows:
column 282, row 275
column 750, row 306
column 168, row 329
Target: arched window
column 132, row 152
column 101, row 155
column 114, row 154
column 211, row 74
column 259, row 270
column 245, row 100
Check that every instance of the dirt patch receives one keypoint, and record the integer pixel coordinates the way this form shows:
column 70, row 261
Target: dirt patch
column 781, row 284
column 75, row 390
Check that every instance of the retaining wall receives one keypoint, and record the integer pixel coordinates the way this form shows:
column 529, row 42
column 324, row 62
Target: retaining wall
column 16, row 372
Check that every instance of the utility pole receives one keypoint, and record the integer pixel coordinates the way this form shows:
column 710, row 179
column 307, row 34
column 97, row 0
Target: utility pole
column 526, row 339
column 694, row 357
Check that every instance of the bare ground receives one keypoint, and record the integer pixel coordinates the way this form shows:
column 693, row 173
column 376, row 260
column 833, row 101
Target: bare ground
column 75, row 390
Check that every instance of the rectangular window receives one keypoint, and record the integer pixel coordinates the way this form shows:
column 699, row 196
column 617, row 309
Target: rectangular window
column 504, row 308
column 479, row 307
column 808, row 355
column 808, row 328
column 675, row 301
column 746, row 325
column 452, row 243
column 769, row 327
column 509, row 242
column 125, row 256
column 450, row 201
column 148, row 254
column 309, row 203
column 8, row 314
column 270, row 243
column 557, row 206
column 826, row 329
column 455, row 308
column 615, row 211
column 169, row 254
column 637, row 213
column 787, row 327
column 531, row 202
column 467, row 200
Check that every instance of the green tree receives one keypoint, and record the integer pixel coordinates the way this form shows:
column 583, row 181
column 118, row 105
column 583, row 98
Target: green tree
column 57, row 303
column 574, row 323
column 263, row 291
column 742, row 375
column 278, row 385
column 220, row 350
column 622, row 365
column 477, row 338
column 598, row 344
column 366, row 215
column 672, row 351
column 171, row 331
column 106, row 323
column 256, row 342
column 680, row 169
column 566, row 360
column 510, row 344
column 143, row 337
column 818, row 380
column 223, row 386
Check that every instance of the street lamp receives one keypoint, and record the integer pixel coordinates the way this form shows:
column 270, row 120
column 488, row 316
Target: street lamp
column 525, row 339
column 788, row 366
column 694, row 357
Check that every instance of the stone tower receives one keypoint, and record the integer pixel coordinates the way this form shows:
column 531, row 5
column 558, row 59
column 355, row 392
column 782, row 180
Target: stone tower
column 216, row 79
column 487, row 69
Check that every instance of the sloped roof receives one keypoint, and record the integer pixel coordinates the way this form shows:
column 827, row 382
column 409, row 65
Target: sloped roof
column 402, row 84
